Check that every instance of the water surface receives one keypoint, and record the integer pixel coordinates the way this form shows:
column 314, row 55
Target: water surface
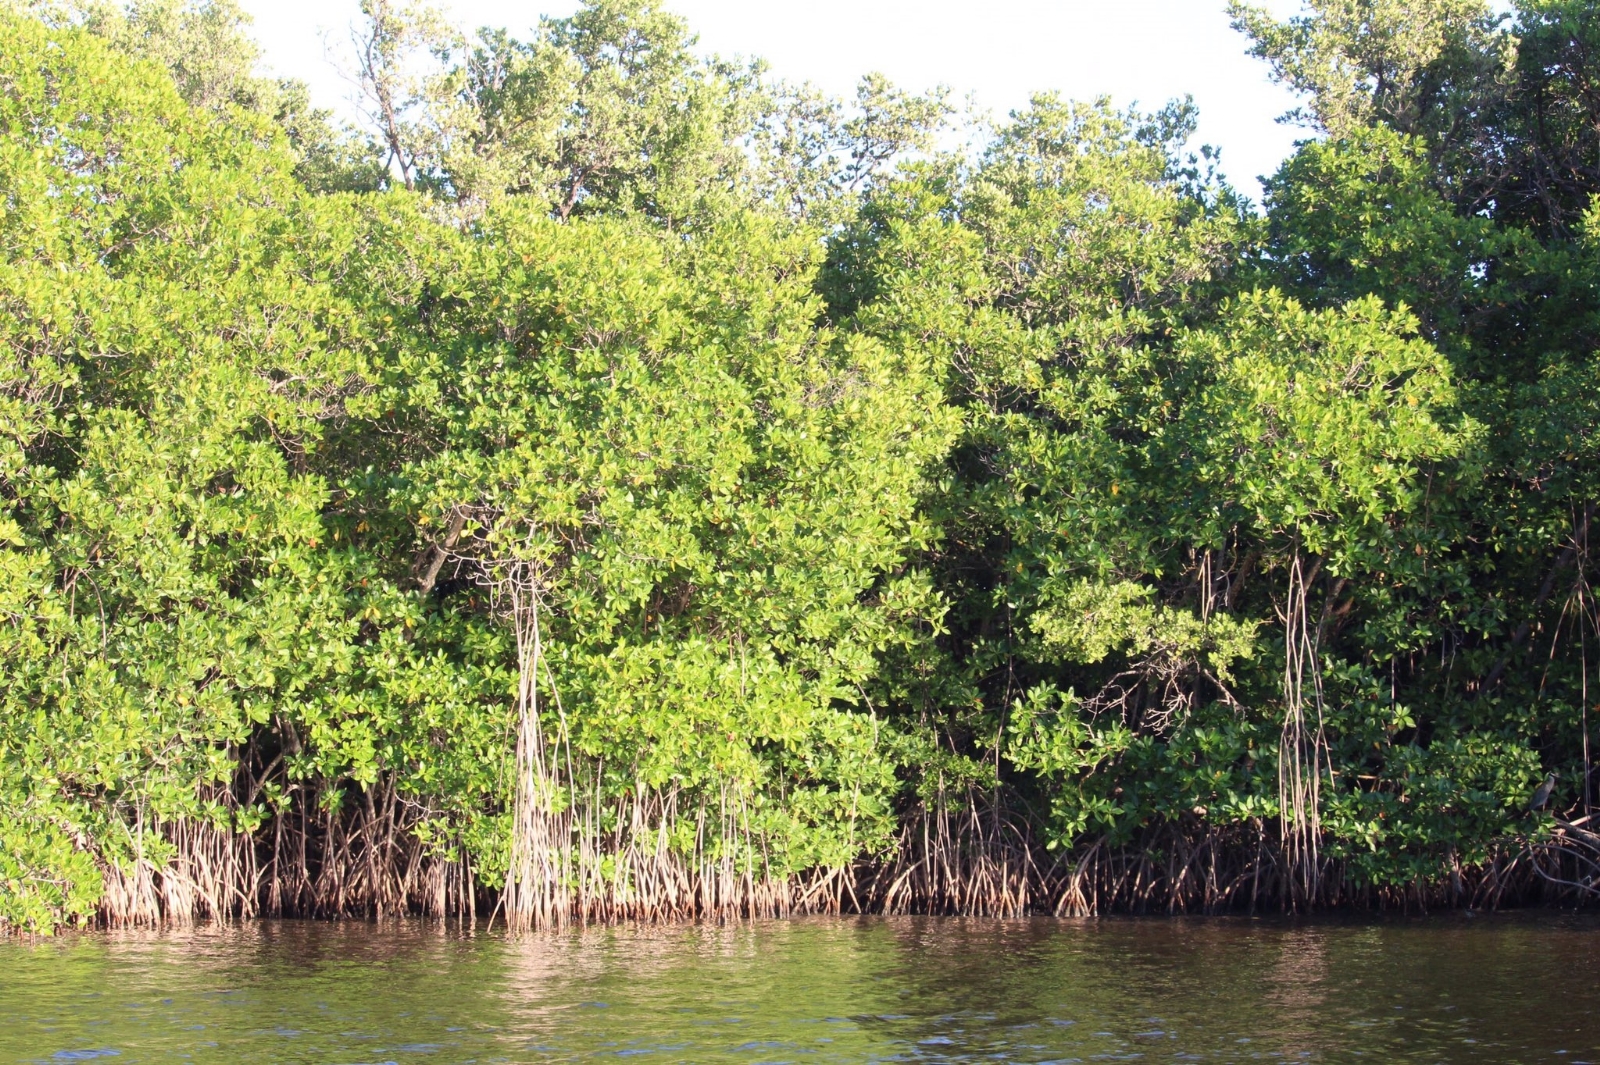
column 1491, row 989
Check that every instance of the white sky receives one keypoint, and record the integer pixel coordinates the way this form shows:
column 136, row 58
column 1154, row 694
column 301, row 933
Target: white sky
column 1144, row 51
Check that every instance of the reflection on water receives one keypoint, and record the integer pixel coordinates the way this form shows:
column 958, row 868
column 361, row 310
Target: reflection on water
column 1498, row 989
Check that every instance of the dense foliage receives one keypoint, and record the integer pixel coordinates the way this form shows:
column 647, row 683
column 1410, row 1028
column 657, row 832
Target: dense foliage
column 625, row 482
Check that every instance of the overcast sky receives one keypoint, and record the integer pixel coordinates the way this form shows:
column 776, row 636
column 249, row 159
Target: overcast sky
column 1144, row 51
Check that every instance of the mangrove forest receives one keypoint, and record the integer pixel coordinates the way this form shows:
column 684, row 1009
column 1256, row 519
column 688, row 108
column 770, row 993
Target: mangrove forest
column 611, row 483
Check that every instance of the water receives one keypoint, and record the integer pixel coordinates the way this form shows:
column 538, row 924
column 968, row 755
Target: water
column 1490, row 989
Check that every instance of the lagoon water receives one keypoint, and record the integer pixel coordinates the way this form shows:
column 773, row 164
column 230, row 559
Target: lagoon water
column 1503, row 989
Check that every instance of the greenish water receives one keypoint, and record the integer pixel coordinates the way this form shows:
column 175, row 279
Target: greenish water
column 1495, row 989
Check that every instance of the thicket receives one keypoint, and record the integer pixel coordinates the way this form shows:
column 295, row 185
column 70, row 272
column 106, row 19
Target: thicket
column 615, row 484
